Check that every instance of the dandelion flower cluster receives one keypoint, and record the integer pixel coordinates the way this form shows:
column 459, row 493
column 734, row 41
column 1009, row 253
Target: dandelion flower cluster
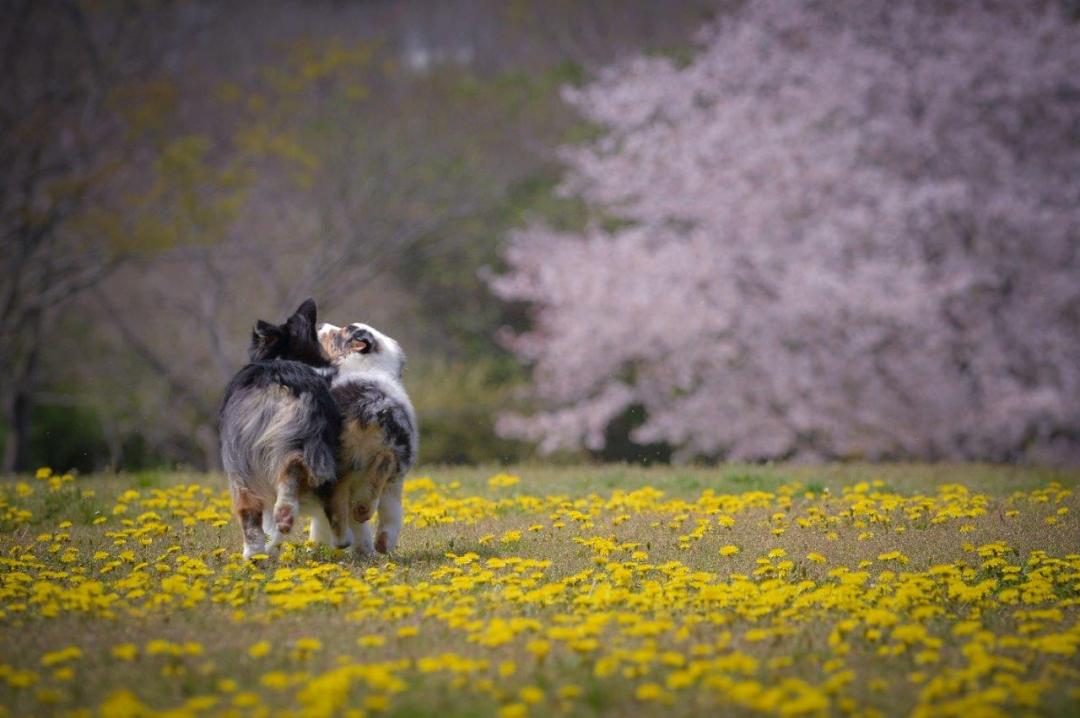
column 864, row 601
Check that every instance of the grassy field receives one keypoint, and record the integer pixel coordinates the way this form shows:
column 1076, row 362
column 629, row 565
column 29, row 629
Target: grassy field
column 854, row 589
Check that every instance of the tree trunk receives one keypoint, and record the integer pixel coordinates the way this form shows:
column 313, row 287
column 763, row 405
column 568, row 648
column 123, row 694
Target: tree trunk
column 20, row 428
column 20, row 405
column 17, row 441
column 7, row 466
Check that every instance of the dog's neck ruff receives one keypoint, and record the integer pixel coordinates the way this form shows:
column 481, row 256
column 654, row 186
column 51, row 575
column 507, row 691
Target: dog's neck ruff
column 363, row 366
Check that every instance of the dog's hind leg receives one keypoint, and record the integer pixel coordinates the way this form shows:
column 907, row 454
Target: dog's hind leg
column 390, row 516
column 249, row 510
column 367, row 487
column 273, row 536
column 366, row 492
column 331, row 525
column 337, row 513
column 365, row 537
column 294, row 475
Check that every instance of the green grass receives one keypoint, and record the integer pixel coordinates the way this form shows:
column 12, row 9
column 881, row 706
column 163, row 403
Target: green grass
column 689, row 481
column 380, row 597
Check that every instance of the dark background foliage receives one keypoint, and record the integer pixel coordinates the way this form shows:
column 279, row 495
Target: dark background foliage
column 174, row 170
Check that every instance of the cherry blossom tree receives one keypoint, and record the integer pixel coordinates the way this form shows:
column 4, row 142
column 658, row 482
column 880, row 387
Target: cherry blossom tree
column 845, row 229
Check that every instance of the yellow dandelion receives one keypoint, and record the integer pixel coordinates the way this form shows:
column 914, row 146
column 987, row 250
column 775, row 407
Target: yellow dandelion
column 125, row 651
column 260, row 649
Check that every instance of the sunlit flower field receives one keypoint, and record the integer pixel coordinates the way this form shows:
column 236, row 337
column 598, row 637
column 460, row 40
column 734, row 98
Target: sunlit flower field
column 581, row 591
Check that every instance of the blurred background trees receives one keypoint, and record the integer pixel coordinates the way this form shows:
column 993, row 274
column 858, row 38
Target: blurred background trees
column 173, row 170
column 630, row 229
column 66, row 78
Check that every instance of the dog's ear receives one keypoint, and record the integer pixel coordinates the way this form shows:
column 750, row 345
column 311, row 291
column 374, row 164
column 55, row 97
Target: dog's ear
column 308, row 311
column 302, row 322
column 264, row 337
column 266, row 330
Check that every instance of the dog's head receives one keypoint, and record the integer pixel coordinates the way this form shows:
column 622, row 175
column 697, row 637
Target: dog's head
column 296, row 339
column 362, row 347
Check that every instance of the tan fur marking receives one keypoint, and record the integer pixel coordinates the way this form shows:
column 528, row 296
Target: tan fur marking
column 329, row 344
column 368, row 466
column 297, row 472
column 244, row 499
column 295, row 477
column 248, row 509
column 359, row 442
column 337, row 512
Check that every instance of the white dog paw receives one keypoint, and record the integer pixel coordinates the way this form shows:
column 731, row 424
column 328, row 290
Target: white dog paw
column 386, row 541
column 320, row 531
column 285, row 516
column 251, row 550
column 273, row 543
column 346, row 539
column 365, row 547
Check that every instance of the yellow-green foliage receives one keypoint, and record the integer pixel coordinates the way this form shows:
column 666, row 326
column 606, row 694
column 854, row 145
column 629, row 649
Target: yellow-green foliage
column 516, row 596
column 457, row 403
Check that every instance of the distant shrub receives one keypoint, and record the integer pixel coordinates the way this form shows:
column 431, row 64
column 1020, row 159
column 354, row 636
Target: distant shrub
column 456, row 404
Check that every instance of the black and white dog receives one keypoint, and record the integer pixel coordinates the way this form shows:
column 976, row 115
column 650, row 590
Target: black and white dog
column 280, row 430
column 379, row 438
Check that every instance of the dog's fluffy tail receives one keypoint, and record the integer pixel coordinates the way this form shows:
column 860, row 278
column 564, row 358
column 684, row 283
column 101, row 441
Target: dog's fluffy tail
column 260, row 428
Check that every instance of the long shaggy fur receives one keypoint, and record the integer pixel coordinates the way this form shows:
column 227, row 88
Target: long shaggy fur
column 273, row 410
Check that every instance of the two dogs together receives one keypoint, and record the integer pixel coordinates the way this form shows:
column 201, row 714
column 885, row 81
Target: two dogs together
column 318, row 419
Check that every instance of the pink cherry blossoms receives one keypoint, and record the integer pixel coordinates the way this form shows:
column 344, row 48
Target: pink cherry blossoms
column 852, row 229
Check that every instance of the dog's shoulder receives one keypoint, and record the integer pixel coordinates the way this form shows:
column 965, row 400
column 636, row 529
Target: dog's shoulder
column 295, row 376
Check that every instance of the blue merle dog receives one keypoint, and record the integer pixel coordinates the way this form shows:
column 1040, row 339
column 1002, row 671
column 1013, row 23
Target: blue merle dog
column 379, row 437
